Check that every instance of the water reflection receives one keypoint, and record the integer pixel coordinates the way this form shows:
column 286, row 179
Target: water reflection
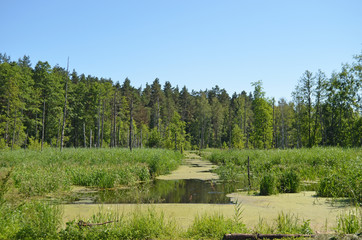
column 162, row 191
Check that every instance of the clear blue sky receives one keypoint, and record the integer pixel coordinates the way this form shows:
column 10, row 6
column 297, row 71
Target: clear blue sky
column 197, row 43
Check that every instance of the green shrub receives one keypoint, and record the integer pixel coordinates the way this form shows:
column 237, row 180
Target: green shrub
column 268, row 185
column 289, row 182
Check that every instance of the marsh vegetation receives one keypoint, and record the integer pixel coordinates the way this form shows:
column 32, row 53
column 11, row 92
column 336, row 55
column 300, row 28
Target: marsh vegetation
column 331, row 172
column 34, row 184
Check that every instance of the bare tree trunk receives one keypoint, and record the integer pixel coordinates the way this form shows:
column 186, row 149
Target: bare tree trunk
column 249, row 174
column 99, row 124
column 90, row 138
column 58, row 136
column 245, row 115
column 43, row 127
column 141, row 137
column 247, row 139
column 14, row 130
column 114, row 120
column 175, row 141
column 102, row 123
column 283, row 130
column 111, row 131
column 65, row 109
column 36, row 126
column 309, row 121
column 274, row 135
column 158, row 114
column 6, row 138
column 131, row 126
column 322, row 127
column 26, row 138
column 84, row 137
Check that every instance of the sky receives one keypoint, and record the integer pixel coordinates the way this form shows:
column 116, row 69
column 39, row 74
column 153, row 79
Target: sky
column 196, row 43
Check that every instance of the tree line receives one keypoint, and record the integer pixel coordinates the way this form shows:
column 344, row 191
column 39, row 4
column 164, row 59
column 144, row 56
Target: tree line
column 49, row 106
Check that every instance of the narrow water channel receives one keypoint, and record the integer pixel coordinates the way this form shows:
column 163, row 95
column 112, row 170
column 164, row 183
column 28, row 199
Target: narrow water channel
column 192, row 182
column 161, row 191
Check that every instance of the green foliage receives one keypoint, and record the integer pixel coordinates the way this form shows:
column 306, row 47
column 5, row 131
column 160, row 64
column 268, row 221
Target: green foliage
column 324, row 112
column 36, row 144
column 3, row 144
column 263, row 126
column 154, row 140
column 237, row 138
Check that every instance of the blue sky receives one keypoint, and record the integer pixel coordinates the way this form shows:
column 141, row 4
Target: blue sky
column 197, row 43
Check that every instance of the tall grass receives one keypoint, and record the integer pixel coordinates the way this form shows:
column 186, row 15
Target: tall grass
column 140, row 225
column 39, row 220
column 338, row 170
column 32, row 220
column 37, row 173
column 350, row 223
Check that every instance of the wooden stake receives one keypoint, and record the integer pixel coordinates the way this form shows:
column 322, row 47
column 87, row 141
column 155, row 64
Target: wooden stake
column 249, row 173
column 65, row 108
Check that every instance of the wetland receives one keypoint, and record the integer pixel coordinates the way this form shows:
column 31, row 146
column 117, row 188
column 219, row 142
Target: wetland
column 187, row 193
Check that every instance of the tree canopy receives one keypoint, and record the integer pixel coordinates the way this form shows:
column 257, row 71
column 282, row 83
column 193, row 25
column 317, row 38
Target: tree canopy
column 102, row 113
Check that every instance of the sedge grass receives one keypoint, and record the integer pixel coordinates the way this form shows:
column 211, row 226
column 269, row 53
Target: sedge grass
column 338, row 170
column 37, row 173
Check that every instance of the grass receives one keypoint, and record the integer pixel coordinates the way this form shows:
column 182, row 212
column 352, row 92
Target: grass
column 31, row 174
column 140, row 225
column 350, row 222
column 338, row 170
column 39, row 173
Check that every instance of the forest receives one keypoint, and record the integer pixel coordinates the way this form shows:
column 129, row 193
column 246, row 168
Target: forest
column 49, row 106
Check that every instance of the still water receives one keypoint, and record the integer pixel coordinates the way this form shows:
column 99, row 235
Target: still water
column 161, row 191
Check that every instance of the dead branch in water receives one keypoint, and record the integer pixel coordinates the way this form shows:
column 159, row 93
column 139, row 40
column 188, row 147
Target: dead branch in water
column 256, row 236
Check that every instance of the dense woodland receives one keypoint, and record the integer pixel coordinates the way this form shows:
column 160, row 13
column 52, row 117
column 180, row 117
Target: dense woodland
column 44, row 106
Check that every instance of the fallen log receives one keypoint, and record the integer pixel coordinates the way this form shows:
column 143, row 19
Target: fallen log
column 239, row 236
column 264, row 236
column 85, row 224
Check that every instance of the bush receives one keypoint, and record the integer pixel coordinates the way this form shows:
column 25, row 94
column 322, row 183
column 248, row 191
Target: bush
column 268, row 185
column 289, row 182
